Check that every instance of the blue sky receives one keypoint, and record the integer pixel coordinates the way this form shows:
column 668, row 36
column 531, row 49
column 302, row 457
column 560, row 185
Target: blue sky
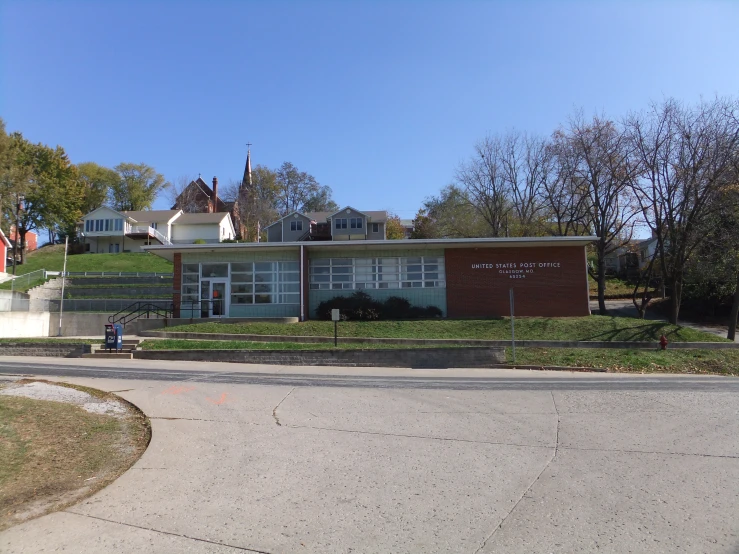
column 379, row 100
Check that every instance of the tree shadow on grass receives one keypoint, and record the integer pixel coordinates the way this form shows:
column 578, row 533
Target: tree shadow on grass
column 646, row 332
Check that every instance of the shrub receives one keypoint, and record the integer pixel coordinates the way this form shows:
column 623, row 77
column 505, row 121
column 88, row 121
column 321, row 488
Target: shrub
column 199, row 241
column 361, row 307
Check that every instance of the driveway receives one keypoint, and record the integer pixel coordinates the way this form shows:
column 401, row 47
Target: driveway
column 321, row 460
column 625, row 308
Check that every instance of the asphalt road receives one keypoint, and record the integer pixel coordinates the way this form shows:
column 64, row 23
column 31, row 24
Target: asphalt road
column 339, row 460
column 652, row 382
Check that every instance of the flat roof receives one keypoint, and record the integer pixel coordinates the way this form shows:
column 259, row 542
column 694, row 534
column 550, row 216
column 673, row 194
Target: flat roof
column 168, row 251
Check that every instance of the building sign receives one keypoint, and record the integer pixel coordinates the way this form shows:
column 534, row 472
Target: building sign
column 517, row 270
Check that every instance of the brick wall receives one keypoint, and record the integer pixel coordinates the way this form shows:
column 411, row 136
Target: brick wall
column 547, row 281
column 177, row 284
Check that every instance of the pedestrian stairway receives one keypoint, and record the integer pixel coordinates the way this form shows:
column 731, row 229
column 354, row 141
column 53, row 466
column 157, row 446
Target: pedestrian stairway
column 99, row 351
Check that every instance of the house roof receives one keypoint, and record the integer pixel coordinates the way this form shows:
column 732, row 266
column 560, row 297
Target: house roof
column 205, row 188
column 201, row 219
column 376, row 216
column 151, row 215
column 4, row 239
column 288, row 215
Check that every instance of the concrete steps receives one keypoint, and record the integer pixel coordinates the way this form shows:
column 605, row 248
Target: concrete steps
column 122, row 355
column 100, row 351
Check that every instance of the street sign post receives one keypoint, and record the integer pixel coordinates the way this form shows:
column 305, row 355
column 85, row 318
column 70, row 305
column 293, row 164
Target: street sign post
column 335, row 318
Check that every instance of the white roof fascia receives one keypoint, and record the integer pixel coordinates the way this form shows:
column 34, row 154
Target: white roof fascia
column 347, row 208
column 175, row 216
column 523, row 242
column 288, row 215
column 5, row 239
column 104, row 208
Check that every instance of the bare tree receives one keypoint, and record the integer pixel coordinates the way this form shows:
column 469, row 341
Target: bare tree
column 184, row 197
column 602, row 167
column 686, row 157
column 485, row 184
column 564, row 195
column 527, row 167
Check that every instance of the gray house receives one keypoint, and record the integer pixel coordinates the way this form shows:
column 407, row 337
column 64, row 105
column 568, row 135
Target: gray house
column 346, row 224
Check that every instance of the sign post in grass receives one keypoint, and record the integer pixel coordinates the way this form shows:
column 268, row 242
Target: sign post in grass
column 513, row 329
column 335, row 318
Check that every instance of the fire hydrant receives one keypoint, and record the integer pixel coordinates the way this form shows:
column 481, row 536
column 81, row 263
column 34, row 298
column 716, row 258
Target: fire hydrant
column 663, row 342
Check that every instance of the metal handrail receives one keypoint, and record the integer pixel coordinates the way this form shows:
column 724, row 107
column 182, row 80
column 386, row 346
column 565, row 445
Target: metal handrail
column 139, row 309
column 116, row 274
column 192, row 304
column 27, row 277
column 149, row 230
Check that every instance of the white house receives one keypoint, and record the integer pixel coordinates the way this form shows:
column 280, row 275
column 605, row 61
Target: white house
column 108, row 231
column 210, row 227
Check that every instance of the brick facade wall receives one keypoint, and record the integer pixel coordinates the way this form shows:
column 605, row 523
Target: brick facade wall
column 547, row 281
column 177, row 284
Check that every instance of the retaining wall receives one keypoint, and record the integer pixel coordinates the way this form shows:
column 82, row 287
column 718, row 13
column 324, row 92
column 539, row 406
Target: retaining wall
column 439, row 342
column 436, row 358
column 60, row 350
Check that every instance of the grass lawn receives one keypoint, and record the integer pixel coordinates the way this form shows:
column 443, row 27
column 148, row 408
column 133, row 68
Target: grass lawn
column 722, row 362
column 614, row 287
column 182, row 344
column 51, row 258
column 594, row 327
column 53, row 454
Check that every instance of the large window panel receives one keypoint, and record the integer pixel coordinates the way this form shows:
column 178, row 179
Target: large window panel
column 385, row 273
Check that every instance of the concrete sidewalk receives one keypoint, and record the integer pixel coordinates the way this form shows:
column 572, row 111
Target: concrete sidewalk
column 263, row 468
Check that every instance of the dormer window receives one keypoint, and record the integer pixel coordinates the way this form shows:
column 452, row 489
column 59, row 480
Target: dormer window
column 355, row 222
column 296, row 225
column 340, row 223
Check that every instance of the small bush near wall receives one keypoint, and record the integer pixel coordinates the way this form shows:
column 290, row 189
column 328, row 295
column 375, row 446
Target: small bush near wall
column 199, row 241
column 361, row 307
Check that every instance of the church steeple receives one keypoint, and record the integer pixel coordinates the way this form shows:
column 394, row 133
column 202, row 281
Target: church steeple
column 246, row 181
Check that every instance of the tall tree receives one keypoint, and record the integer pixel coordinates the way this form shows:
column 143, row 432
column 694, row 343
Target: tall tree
column 603, row 168
column 527, row 167
column 258, row 201
column 48, row 192
column 687, row 156
column 484, row 182
column 452, row 214
column 137, row 187
column 295, row 188
column 98, row 181
column 300, row 191
column 320, row 201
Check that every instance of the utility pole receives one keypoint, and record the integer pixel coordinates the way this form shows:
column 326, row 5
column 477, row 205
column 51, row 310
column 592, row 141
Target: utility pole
column 18, row 205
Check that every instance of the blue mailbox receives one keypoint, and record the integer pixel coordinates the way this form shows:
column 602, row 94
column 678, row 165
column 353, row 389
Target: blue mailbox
column 114, row 336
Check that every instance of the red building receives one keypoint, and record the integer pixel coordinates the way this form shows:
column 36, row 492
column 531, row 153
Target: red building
column 31, row 239
column 4, row 250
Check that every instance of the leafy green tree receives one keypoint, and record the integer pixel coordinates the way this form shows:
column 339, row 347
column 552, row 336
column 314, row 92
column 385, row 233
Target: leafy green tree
column 98, row 183
column 394, row 229
column 320, row 201
column 47, row 191
column 424, row 227
column 298, row 190
column 137, row 187
column 453, row 215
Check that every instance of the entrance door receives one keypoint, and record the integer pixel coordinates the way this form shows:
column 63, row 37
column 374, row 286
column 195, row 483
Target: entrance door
column 214, row 298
